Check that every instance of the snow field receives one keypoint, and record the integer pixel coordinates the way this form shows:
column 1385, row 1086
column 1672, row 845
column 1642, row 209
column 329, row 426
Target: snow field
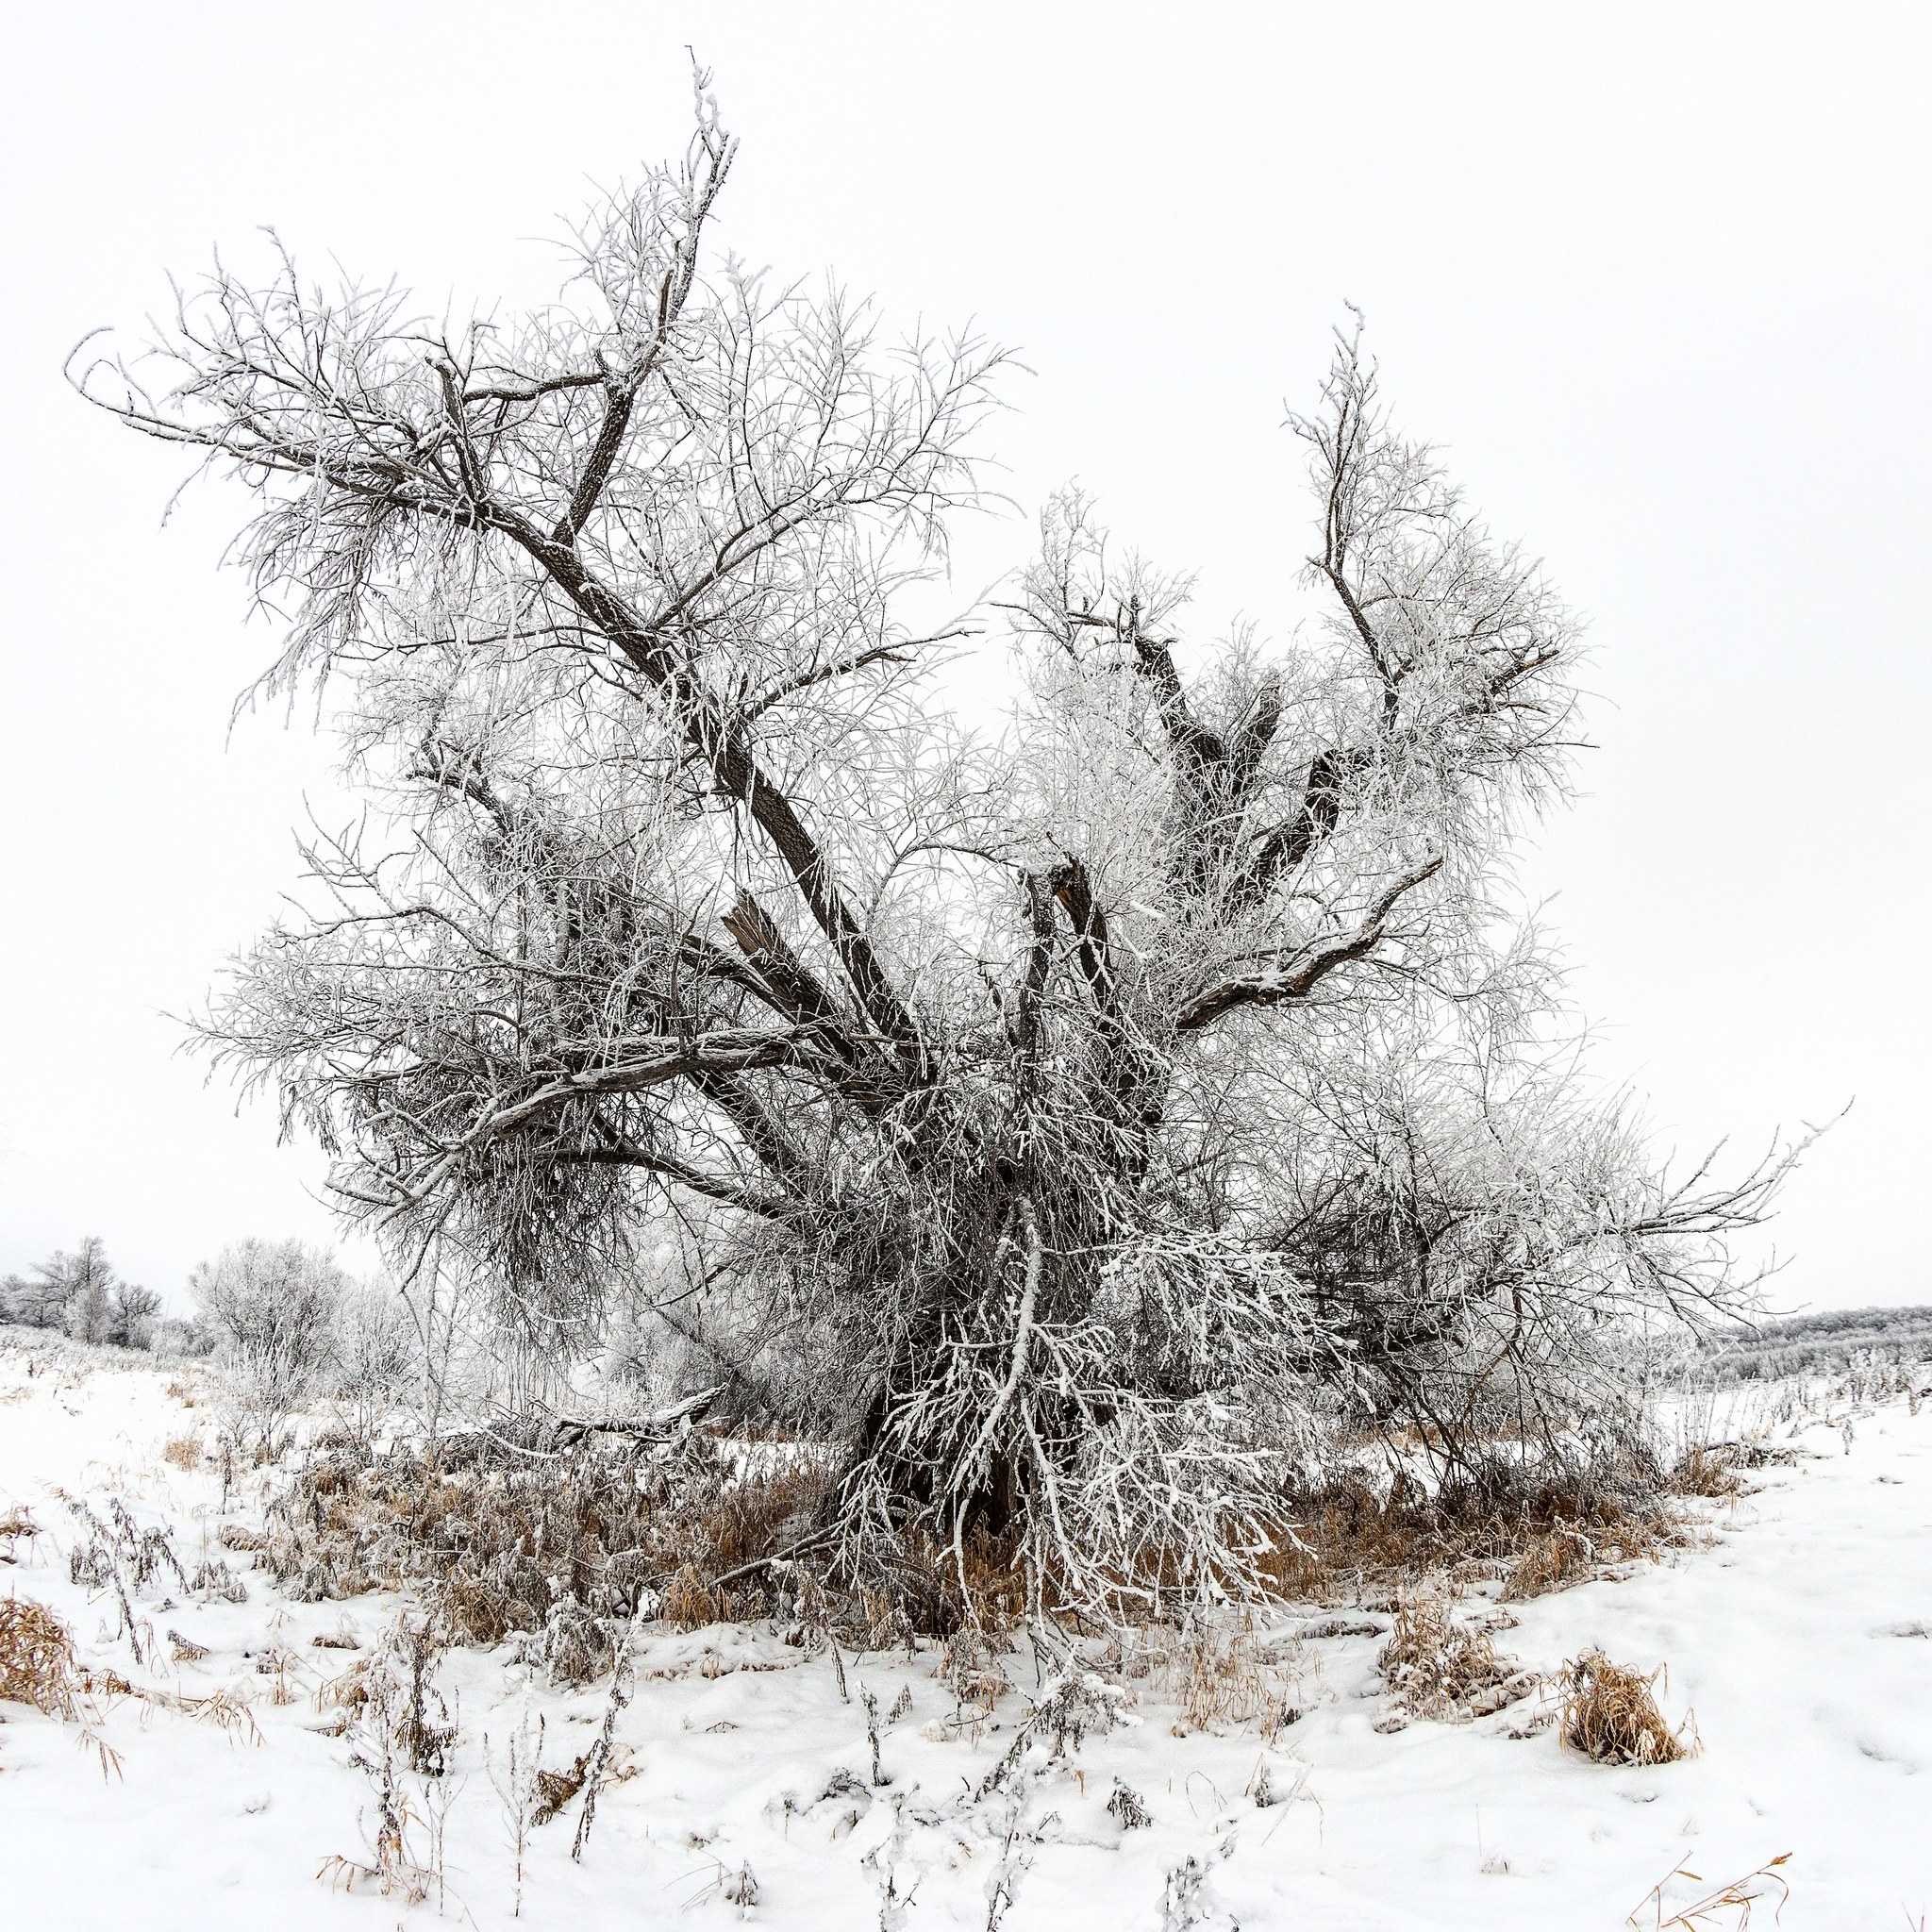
column 1797, row 1637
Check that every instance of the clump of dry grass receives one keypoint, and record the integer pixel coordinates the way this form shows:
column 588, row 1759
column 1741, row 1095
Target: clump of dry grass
column 1547, row 1525
column 37, row 1664
column 1214, row 1673
column 182, row 1452
column 1437, row 1666
column 1708, row 1469
column 558, row 1553
column 1610, row 1714
column 1551, row 1559
column 686, row 1603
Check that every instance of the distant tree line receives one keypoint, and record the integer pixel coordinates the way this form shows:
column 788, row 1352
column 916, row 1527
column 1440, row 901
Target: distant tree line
column 83, row 1296
column 1810, row 1345
column 284, row 1322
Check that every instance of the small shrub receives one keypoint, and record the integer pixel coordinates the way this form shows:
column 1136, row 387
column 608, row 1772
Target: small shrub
column 573, row 1647
column 1212, row 1671
column 969, row 1666
column 1610, row 1714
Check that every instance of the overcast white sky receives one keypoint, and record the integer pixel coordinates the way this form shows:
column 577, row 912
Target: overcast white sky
column 1658, row 277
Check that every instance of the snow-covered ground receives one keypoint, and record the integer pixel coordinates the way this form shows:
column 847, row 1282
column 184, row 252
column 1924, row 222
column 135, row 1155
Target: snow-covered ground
column 1798, row 1636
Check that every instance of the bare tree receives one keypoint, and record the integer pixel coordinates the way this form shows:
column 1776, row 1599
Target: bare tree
column 133, row 1314
column 969, row 1083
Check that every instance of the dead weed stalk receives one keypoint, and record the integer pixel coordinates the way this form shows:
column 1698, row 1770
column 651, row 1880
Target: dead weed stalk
column 1732, row 1903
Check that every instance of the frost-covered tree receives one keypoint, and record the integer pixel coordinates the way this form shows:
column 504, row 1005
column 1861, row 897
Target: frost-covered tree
column 133, row 1315
column 37, row 1299
column 1061, row 1121
column 273, row 1309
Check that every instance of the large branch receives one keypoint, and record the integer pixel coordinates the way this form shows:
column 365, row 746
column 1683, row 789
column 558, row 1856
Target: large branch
column 1191, row 741
column 727, row 751
column 620, row 1153
column 721, row 740
column 1320, row 811
column 1075, row 893
column 1296, row 979
column 732, row 1051
column 622, row 390
column 792, row 984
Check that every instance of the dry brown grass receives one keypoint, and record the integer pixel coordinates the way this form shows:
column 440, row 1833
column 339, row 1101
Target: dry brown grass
column 182, row 1452
column 1437, row 1665
column 37, row 1664
column 1551, row 1559
column 686, row 1603
column 1734, row 1902
column 1221, row 1683
column 929, row 1594
column 1610, row 1714
column 1709, row 1469
column 1540, row 1530
column 556, row 1553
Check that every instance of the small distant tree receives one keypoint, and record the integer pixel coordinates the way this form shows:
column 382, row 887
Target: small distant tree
column 272, row 1308
column 376, row 1356
column 32, row 1300
column 91, row 1284
column 1042, row 1118
column 133, row 1312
